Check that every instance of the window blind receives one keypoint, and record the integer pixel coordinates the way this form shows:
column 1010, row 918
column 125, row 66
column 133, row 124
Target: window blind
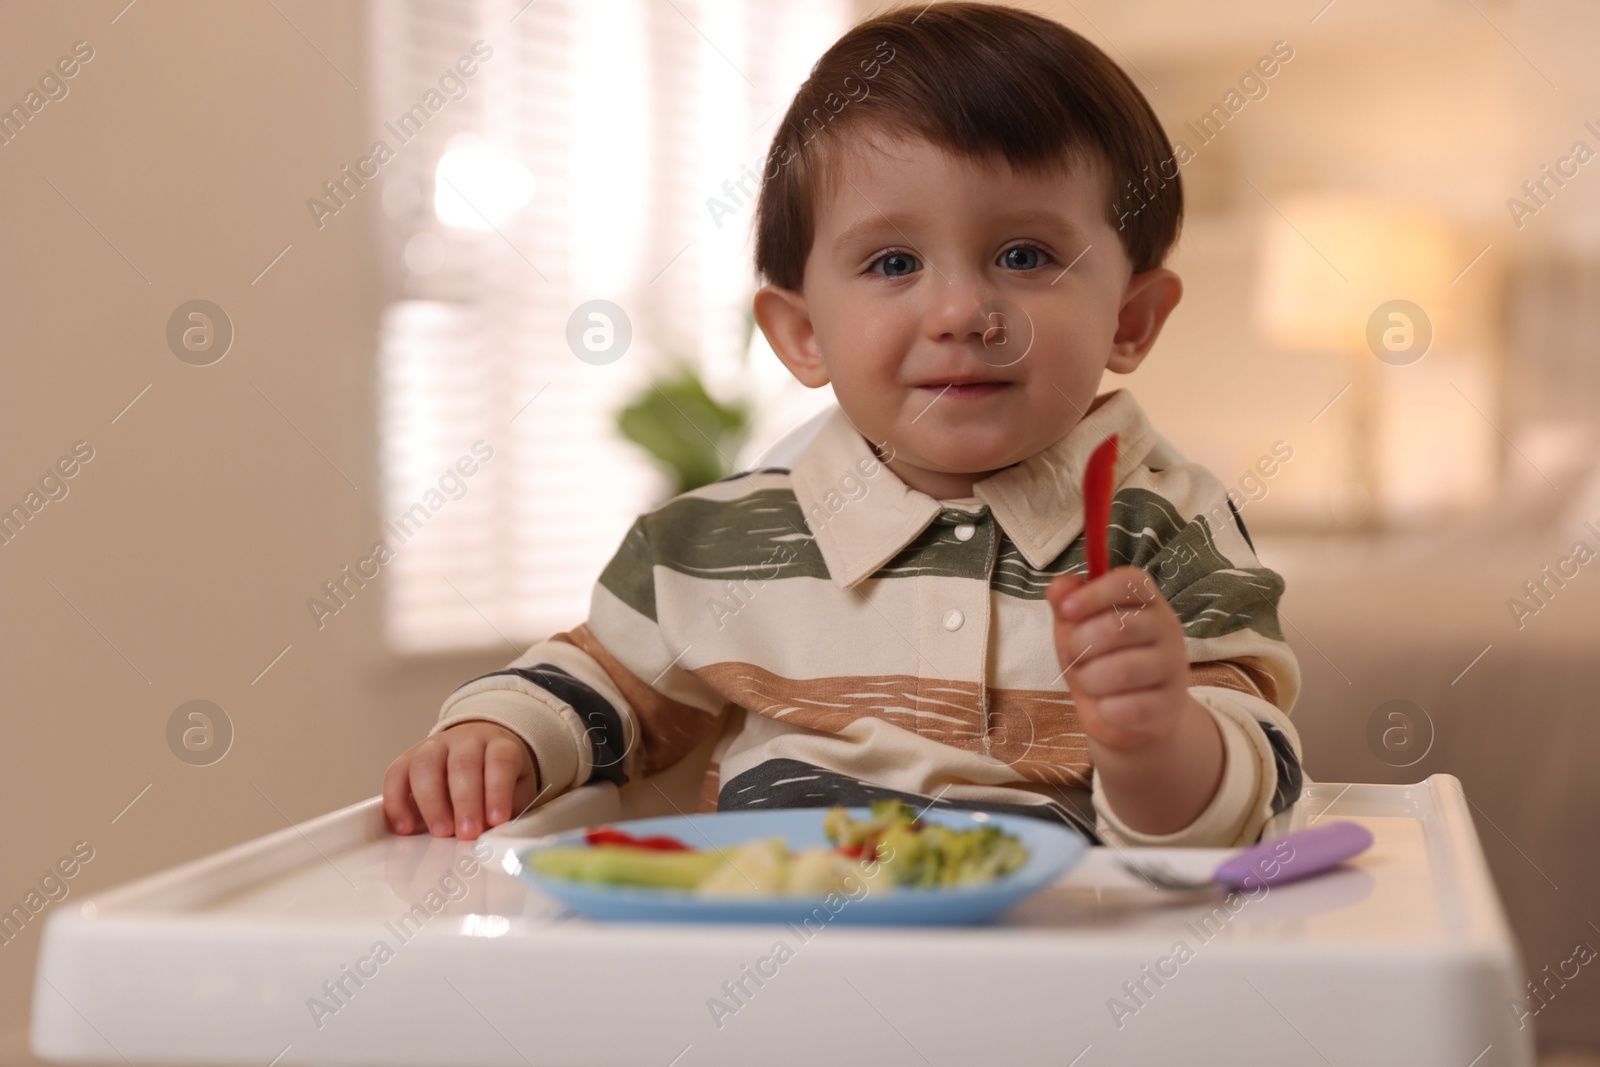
column 579, row 156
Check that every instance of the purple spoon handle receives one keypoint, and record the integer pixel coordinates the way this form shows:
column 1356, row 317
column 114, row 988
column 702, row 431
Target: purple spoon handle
column 1295, row 855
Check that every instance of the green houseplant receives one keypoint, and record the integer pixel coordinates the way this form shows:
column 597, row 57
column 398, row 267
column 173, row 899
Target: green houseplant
column 688, row 432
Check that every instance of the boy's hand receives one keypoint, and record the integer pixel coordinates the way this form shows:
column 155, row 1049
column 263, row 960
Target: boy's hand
column 1157, row 752
column 1121, row 645
column 443, row 783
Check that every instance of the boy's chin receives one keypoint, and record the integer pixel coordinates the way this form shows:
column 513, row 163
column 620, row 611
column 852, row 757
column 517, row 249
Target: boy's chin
column 976, row 465
column 966, row 453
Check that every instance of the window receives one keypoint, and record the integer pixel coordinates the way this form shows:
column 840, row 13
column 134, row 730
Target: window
column 569, row 157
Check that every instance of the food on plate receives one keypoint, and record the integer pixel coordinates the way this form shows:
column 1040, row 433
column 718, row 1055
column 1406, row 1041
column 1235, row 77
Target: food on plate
column 926, row 854
column 751, row 869
column 892, row 847
column 610, row 835
column 627, row 865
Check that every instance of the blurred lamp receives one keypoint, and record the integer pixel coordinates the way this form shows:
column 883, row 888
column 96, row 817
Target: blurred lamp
column 1330, row 281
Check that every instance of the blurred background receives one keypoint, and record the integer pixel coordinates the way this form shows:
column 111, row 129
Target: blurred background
column 342, row 342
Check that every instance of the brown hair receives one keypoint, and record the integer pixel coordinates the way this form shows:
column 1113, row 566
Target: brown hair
column 977, row 80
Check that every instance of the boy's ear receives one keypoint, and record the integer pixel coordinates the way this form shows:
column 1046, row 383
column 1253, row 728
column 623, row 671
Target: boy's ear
column 783, row 318
column 1148, row 300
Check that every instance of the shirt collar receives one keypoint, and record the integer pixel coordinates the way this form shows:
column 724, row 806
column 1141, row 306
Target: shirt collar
column 862, row 515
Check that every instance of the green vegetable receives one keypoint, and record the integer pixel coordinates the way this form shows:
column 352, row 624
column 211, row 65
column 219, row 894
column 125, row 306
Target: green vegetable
column 918, row 854
column 623, row 865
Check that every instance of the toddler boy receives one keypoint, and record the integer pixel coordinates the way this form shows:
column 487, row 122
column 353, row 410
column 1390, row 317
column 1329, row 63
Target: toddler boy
column 961, row 226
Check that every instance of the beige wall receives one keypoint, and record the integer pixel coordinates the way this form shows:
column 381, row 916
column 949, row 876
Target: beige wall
column 192, row 539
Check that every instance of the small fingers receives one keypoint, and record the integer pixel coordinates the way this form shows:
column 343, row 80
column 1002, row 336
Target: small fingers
column 428, row 786
column 1121, row 625
column 503, row 763
column 1126, row 585
column 464, row 768
column 1101, row 634
column 415, row 822
column 1124, row 671
column 398, row 806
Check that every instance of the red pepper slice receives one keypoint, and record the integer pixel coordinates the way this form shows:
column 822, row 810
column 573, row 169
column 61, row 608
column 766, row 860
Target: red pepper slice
column 607, row 835
column 1097, row 506
column 662, row 842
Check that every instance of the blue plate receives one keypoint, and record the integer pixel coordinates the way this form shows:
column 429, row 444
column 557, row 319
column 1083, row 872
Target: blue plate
column 1052, row 850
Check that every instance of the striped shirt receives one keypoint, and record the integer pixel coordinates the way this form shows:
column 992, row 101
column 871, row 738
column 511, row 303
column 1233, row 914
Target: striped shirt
column 848, row 638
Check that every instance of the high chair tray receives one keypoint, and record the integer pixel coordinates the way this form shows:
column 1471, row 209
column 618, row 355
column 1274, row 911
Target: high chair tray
column 335, row 942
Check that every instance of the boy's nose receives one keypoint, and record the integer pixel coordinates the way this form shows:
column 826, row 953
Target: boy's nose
column 999, row 332
column 959, row 313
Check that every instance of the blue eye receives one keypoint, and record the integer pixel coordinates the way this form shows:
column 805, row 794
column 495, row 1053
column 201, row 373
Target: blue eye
column 1025, row 253
column 896, row 264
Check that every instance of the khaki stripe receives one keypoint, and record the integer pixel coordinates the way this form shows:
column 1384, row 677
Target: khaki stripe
column 1247, row 674
column 942, row 711
column 666, row 729
column 1219, row 674
column 1036, row 733
column 1255, row 668
column 1243, row 646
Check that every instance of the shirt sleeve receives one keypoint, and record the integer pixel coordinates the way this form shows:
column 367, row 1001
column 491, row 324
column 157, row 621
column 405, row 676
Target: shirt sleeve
column 580, row 698
column 1241, row 669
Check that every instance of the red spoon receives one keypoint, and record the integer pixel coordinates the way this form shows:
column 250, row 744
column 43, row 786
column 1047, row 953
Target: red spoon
column 1097, row 506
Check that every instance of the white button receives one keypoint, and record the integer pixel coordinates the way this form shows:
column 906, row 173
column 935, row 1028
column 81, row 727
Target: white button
column 965, row 531
column 953, row 619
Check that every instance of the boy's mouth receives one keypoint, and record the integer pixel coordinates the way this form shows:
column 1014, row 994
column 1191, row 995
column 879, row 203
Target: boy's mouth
column 965, row 387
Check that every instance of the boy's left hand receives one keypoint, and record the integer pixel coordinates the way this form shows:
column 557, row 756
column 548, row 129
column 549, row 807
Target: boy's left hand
column 1122, row 648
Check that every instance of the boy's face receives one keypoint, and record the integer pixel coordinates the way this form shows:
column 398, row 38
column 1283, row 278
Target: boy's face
column 927, row 268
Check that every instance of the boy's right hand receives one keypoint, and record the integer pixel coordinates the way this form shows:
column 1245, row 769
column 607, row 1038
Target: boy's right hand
column 444, row 782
